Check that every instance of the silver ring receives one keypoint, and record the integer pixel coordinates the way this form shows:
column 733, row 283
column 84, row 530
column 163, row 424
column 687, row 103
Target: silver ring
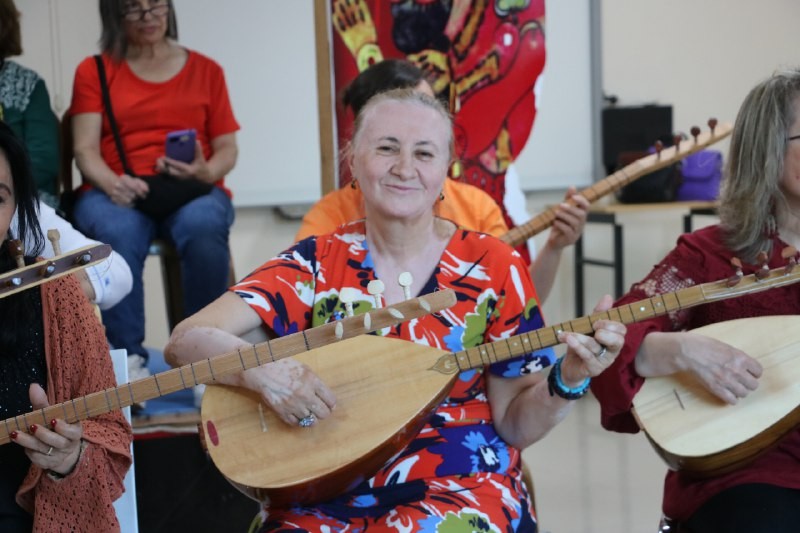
column 50, row 451
column 602, row 352
column 307, row 421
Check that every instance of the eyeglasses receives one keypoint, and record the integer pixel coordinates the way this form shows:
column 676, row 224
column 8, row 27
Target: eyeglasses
column 793, row 138
column 134, row 14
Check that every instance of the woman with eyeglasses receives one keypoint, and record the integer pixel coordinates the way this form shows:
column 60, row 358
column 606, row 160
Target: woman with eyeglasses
column 155, row 87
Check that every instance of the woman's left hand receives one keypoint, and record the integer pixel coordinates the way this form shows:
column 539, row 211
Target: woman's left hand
column 589, row 356
column 55, row 447
column 197, row 169
column 570, row 220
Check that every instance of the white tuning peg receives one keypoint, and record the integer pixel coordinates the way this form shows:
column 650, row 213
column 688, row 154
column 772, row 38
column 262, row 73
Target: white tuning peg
column 54, row 237
column 376, row 288
column 405, row 279
column 347, row 296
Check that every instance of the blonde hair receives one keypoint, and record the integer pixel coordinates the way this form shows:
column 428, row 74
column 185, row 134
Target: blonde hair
column 751, row 190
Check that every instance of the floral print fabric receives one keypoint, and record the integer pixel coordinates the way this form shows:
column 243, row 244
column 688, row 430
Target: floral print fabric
column 458, row 474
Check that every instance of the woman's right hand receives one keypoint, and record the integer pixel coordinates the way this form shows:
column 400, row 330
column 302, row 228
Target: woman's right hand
column 292, row 390
column 726, row 371
column 127, row 189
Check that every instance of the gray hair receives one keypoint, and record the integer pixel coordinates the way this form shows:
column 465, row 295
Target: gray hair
column 404, row 95
column 751, row 193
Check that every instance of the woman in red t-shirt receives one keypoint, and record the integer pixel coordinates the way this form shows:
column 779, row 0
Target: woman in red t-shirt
column 155, row 86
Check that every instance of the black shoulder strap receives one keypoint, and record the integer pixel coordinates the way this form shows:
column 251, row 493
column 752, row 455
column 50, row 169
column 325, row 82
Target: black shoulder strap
column 101, row 71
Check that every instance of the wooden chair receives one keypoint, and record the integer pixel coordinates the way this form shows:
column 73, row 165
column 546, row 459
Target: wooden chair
column 125, row 505
column 162, row 248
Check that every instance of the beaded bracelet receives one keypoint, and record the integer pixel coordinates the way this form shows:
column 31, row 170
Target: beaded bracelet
column 556, row 386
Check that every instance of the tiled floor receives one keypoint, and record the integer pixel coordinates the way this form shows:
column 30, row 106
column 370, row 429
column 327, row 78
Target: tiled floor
column 589, row 480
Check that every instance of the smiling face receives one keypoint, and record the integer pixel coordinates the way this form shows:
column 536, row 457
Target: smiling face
column 401, row 151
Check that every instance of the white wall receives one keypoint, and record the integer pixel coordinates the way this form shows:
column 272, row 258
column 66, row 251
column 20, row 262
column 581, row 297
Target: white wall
column 701, row 57
column 560, row 151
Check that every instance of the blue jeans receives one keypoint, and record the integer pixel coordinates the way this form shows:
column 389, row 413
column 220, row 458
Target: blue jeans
column 199, row 230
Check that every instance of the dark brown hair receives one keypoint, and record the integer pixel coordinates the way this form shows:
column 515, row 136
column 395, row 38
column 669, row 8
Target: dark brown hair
column 10, row 39
column 112, row 15
column 384, row 76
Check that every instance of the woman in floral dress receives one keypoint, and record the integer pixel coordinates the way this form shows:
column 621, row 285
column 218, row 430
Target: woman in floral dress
column 462, row 471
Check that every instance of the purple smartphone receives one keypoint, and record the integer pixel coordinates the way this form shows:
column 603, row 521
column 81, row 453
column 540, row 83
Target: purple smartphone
column 180, row 145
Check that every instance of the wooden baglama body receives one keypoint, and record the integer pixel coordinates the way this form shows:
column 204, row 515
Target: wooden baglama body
column 695, row 432
column 385, row 392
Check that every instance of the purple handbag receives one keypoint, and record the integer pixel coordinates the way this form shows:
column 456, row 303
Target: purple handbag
column 702, row 173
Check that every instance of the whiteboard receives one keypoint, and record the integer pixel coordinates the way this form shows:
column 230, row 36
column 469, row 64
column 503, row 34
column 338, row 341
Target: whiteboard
column 563, row 145
column 266, row 48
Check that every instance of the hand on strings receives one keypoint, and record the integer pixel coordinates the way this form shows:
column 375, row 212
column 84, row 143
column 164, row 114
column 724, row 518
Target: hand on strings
column 589, row 356
column 292, row 390
column 570, row 220
column 727, row 372
column 55, row 446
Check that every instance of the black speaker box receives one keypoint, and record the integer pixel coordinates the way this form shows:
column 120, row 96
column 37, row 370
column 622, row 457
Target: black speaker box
column 631, row 128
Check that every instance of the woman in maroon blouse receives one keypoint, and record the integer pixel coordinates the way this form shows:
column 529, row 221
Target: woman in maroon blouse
column 759, row 212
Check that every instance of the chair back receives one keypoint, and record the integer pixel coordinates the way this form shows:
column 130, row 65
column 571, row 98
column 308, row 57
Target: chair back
column 125, row 506
column 67, row 154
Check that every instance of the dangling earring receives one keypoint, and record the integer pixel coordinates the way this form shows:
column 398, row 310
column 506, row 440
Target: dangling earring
column 455, row 170
column 441, row 196
column 353, row 184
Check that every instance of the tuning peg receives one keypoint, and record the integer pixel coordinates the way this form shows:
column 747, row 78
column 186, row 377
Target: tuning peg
column 48, row 269
column 347, row 295
column 695, row 131
column 84, row 259
column 676, row 140
column 763, row 271
column 658, row 145
column 15, row 249
column 712, row 123
column 737, row 276
column 405, row 279
column 790, row 254
column 376, row 288
column 54, row 237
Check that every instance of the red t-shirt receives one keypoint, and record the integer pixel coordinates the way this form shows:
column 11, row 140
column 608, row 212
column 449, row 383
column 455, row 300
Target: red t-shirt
column 196, row 97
